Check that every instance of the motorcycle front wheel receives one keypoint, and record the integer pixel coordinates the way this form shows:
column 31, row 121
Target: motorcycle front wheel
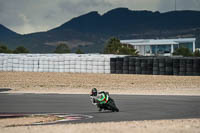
column 113, row 106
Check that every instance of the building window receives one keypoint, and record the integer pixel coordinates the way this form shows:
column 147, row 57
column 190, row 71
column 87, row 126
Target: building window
column 161, row 49
column 153, row 49
column 176, row 46
column 147, row 49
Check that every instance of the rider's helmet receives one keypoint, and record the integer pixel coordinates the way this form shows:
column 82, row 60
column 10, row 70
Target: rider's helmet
column 94, row 92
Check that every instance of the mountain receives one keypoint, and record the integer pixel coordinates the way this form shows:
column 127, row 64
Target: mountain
column 6, row 33
column 124, row 20
column 90, row 31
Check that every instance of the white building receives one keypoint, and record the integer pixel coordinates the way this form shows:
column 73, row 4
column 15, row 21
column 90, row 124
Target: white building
column 166, row 47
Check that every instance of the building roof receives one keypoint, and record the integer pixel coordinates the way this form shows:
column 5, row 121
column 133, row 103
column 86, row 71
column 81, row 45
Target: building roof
column 157, row 41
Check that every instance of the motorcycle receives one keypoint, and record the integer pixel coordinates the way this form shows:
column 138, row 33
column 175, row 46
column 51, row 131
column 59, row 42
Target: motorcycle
column 109, row 105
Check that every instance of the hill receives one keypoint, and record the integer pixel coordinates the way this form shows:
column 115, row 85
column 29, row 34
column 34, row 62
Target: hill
column 90, row 31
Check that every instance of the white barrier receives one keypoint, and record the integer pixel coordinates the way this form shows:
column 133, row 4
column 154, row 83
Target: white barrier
column 74, row 63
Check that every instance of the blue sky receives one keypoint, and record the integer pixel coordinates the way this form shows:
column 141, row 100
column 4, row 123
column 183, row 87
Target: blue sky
column 27, row 16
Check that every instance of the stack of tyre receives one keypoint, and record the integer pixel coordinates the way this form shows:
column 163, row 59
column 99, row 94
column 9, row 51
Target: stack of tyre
column 162, row 66
column 138, row 69
column 176, row 62
column 196, row 67
column 155, row 65
column 182, row 70
column 150, row 65
column 98, row 65
column 88, row 63
column 144, row 66
column 189, row 66
column 113, row 65
column 126, row 65
column 1, row 63
column 168, row 66
column 119, row 65
column 132, row 69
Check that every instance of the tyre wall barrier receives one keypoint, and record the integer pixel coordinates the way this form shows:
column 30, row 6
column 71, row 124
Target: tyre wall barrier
column 132, row 69
column 119, row 65
column 74, row 63
column 196, row 67
column 150, row 66
column 183, row 66
column 155, row 66
column 126, row 65
column 176, row 66
column 169, row 66
column 97, row 63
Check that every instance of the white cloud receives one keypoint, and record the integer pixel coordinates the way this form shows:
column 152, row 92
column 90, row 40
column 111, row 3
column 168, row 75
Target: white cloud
column 28, row 28
column 136, row 4
column 166, row 5
column 24, row 18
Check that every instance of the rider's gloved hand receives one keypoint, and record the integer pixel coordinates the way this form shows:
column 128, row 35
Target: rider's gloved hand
column 95, row 101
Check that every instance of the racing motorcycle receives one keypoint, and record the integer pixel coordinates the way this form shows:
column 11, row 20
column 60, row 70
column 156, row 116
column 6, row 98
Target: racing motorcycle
column 109, row 105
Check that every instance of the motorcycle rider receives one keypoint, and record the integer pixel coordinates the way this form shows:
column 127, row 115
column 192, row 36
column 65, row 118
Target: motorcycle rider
column 99, row 98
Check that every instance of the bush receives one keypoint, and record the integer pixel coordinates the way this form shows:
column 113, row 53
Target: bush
column 114, row 46
column 21, row 49
column 62, row 48
column 4, row 49
column 197, row 53
column 183, row 51
column 78, row 51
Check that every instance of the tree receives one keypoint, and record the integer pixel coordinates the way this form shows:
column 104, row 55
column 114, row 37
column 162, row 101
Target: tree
column 128, row 51
column 183, row 51
column 197, row 53
column 114, row 46
column 62, row 48
column 21, row 49
column 78, row 51
column 4, row 49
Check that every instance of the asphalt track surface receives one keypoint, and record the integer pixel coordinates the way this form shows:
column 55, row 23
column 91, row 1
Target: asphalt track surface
column 132, row 107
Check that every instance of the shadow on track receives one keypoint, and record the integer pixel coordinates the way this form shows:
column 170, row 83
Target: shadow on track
column 5, row 89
